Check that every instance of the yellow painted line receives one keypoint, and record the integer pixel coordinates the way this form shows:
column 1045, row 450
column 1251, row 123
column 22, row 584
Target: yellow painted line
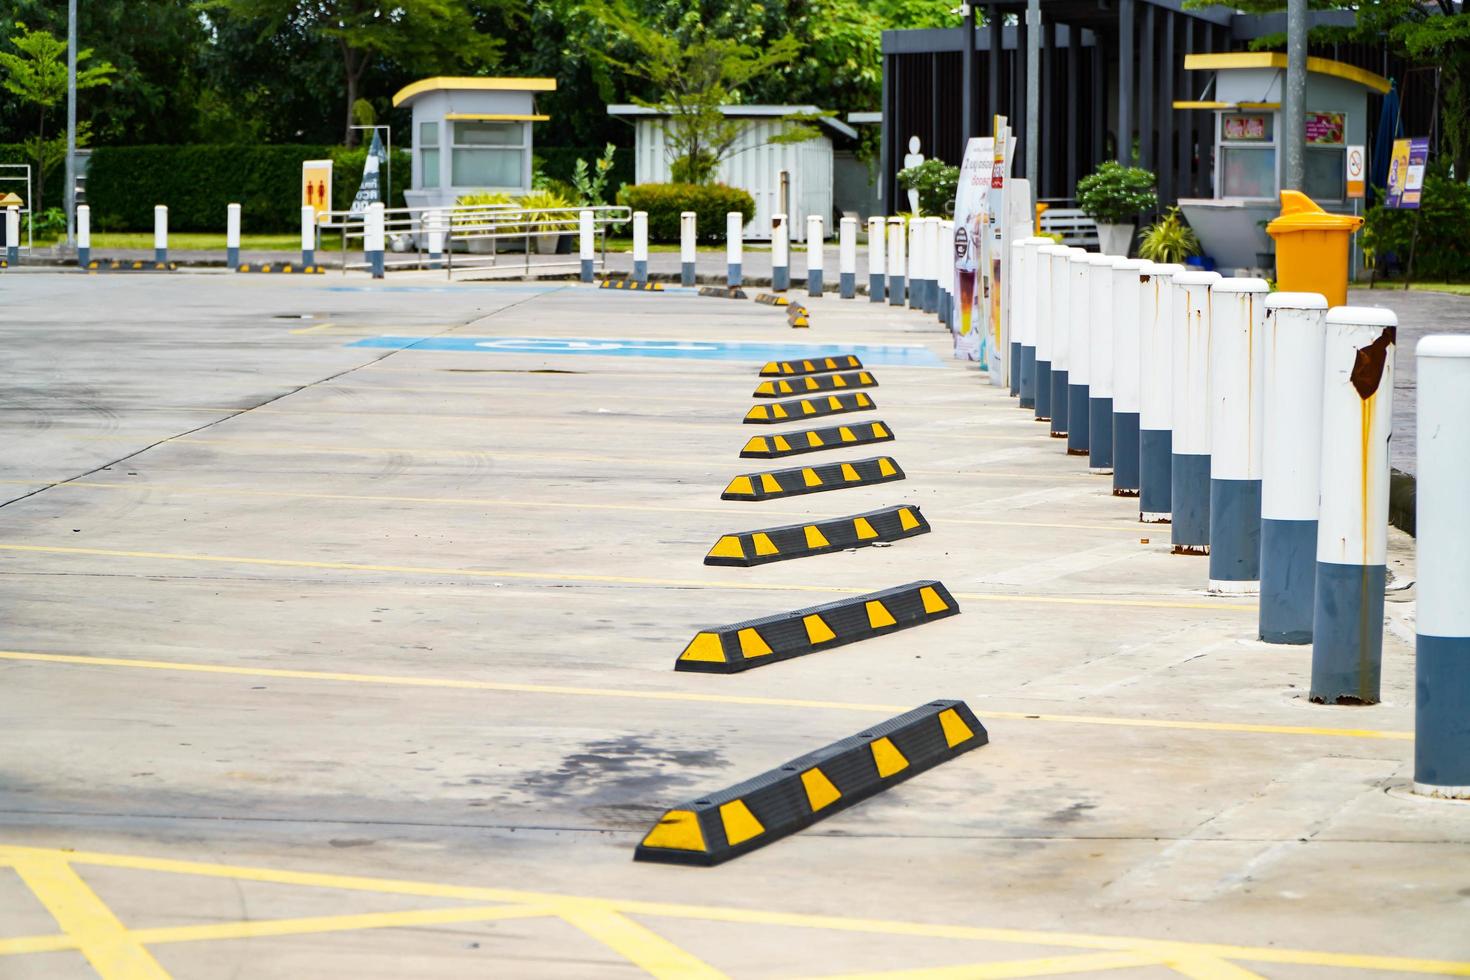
column 1046, row 966
column 675, row 583
column 1210, row 968
column 316, row 329
column 553, row 690
column 639, row 944
column 84, row 917
column 144, row 486
column 257, row 928
column 1166, row 950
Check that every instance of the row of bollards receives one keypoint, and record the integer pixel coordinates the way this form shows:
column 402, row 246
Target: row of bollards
column 1258, row 426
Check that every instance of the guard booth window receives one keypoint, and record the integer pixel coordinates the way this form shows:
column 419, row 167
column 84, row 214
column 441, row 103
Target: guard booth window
column 488, row 154
column 429, row 154
column 1247, row 154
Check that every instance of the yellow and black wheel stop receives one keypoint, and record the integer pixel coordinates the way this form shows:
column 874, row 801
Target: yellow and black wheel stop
column 815, row 365
column 631, row 284
column 773, row 299
column 747, row 548
column 812, row 479
column 814, row 383
column 803, row 408
column 284, row 267
column 816, row 440
column 723, row 292
column 719, row 826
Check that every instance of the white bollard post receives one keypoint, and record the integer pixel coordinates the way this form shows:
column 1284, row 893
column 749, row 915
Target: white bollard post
column 1060, row 319
column 877, row 246
column 308, row 235
column 1156, row 390
column 232, row 235
column 918, row 263
column 1080, row 316
column 586, row 244
column 780, row 253
column 1030, row 300
column 640, row 246
column 934, row 261
column 437, row 224
column 160, row 233
column 1189, row 464
column 1442, row 621
column 897, row 236
column 734, row 238
column 1291, row 453
column 84, row 235
column 814, row 249
column 1129, row 277
column 1237, row 388
column 373, row 239
column 847, row 257
column 12, row 235
column 1352, row 524
column 688, row 246
column 1102, row 303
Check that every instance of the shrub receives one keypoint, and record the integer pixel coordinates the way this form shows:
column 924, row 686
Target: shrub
column 936, row 182
column 665, row 202
column 1169, row 239
column 539, row 203
column 1443, row 252
column 1114, row 194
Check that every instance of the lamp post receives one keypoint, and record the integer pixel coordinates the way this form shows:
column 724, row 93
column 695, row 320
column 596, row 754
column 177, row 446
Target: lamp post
column 69, row 195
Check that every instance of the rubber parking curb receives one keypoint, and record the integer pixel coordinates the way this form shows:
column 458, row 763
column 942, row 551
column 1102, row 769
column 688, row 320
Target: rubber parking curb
column 286, row 268
column 719, row 826
column 776, row 412
column 797, row 316
column 798, row 480
column 812, row 383
column 817, row 365
column 133, row 265
column 631, row 284
column 746, row 548
column 723, row 292
column 772, row 299
column 816, row 440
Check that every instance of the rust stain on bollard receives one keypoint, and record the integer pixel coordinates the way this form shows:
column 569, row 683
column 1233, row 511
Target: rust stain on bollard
column 1368, row 363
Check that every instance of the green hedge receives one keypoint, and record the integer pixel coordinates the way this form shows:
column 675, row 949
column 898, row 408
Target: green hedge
column 124, row 183
column 709, row 202
column 1443, row 252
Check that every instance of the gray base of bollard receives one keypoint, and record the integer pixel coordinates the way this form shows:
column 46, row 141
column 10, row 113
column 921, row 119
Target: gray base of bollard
column 1155, row 456
column 375, row 261
column 814, row 282
column 847, row 284
column 931, row 296
column 895, row 291
column 1059, row 403
column 436, row 261
column 232, row 258
column 12, row 254
column 84, row 255
column 949, row 315
column 308, row 256
column 919, row 297
column 1015, row 365
column 1189, row 494
column 946, row 307
column 640, row 270
column 875, row 288
column 160, row 255
column 1235, row 536
column 686, row 273
column 1125, row 454
column 1043, row 391
column 1347, row 633
column 1079, row 420
column 1100, row 435
column 732, row 274
column 587, row 274
column 780, row 278
column 1442, row 716
column 1027, row 388
column 1288, row 580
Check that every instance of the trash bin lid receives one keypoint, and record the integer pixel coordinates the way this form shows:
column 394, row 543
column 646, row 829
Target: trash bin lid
column 10, row 200
column 1300, row 213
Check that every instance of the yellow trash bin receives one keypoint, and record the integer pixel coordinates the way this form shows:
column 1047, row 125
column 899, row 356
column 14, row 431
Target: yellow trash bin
column 1312, row 248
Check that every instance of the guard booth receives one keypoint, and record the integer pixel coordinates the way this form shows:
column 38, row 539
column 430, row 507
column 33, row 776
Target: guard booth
column 1245, row 93
column 470, row 135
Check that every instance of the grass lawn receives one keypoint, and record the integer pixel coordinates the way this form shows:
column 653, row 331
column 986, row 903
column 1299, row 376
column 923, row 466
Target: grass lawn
column 1458, row 288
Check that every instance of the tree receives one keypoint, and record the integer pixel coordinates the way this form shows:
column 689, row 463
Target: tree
column 438, row 35
column 37, row 76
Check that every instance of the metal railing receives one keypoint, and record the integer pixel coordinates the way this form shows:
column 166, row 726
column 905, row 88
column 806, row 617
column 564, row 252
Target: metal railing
column 431, row 238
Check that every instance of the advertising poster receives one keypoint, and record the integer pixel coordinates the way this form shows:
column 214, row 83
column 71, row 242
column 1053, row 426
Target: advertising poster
column 993, row 349
column 1406, row 172
column 1325, row 128
column 969, row 202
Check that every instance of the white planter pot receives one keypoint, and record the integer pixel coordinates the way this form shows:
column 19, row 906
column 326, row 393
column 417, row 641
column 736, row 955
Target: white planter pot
column 546, row 244
column 1114, row 239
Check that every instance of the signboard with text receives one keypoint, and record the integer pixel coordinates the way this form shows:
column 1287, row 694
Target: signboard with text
column 1406, row 172
column 1357, row 169
column 316, row 185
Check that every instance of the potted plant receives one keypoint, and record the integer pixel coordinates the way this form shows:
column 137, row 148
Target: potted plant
column 936, row 182
column 1113, row 196
column 1168, row 240
column 487, row 200
column 547, row 228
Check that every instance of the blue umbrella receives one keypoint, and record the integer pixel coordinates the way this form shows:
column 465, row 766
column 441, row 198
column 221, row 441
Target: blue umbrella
column 1390, row 128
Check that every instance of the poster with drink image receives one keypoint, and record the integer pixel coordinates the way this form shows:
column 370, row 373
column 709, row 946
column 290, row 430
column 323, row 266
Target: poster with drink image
column 969, row 208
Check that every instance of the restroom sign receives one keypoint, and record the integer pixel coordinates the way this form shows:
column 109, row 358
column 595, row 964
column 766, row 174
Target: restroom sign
column 316, row 185
column 1357, row 165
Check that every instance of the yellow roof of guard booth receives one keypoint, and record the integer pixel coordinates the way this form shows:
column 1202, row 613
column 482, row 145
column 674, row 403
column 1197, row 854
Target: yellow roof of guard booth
column 1277, row 59
column 415, row 89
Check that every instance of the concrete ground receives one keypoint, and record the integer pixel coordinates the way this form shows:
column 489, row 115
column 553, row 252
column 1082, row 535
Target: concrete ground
column 332, row 660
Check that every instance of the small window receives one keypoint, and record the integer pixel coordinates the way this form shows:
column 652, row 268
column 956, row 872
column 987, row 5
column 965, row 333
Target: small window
column 488, row 154
column 487, row 134
column 1324, row 173
column 429, row 167
column 1248, row 171
column 428, row 134
column 1247, row 127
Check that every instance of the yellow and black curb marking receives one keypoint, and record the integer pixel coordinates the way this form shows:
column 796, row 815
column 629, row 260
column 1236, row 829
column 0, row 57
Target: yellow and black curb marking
column 815, row 440
column 796, row 316
column 817, row 365
column 818, row 538
column 775, row 412
column 282, row 267
column 812, row 479
column 723, row 292
column 633, row 284
column 135, row 265
column 813, row 383
column 772, row 299
column 719, row 826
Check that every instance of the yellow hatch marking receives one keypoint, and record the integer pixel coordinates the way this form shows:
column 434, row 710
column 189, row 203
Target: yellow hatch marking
column 906, row 519
column 757, row 444
column 879, row 616
column 752, row 644
column 677, row 829
column 810, row 478
column 741, row 485
column 846, row 434
column 817, row 630
column 887, row 757
column 812, row 439
column 878, row 430
column 864, row 400
column 955, row 729
column 740, row 824
column 837, row 381
column 727, row 547
column 834, row 403
column 819, row 789
column 705, row 647
column 932, row 602
column 758, row 412
column 782, row 444
column 807, row 408
column 776, row 410
column 815, row 538
column 886, row 467
column 849, row 474
column 765, row 388
column 864, row 530
column 637, row 943
column 763, row 544
column 769, row 484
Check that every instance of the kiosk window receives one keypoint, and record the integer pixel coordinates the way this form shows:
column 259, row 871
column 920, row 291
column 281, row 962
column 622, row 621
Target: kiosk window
column 429, row 154
column 1248, row 154
column 1325, row 179
column 488, row 154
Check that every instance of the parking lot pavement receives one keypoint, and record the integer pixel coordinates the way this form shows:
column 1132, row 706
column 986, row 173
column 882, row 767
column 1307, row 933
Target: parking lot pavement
column 329, row 654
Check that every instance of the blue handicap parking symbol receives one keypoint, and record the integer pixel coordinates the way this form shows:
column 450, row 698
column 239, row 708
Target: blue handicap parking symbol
column 873, row 355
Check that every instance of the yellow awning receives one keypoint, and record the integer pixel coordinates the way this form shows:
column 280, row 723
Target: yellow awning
column 496, row 117
column 1277, row 59
column 474, row 84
